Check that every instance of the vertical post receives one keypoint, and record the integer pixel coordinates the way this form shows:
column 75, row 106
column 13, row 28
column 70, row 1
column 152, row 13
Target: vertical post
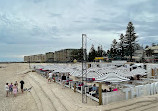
column 82, row 93
column 100, row 93
column 69, row 84
column 85, row 90
column 75, row 87
column 29, row 63
column 84, row 66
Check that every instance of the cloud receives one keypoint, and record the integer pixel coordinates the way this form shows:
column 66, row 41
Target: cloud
column 39, row 26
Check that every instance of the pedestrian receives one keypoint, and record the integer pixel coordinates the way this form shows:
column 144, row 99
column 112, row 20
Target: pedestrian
column 14, row 90
column 22, row 85
column 7, row 89
column 63, row 78
column 49, row 77
column 11, row 88
column 16, row 85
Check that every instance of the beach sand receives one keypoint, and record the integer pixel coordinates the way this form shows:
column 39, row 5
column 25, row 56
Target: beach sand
column 46, row 96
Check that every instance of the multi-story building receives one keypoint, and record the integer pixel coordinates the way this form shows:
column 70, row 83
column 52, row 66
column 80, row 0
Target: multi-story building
column 153, row 50
column 26, row 58
column 64, row 55
column 152, row 54
column 35, row 58
column 42, row 57
column 50, row 57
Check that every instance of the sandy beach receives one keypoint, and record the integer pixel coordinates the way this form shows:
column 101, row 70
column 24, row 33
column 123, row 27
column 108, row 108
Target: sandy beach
column 46, row 96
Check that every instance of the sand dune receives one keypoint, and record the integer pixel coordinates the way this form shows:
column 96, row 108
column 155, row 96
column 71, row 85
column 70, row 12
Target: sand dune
column 51, row 97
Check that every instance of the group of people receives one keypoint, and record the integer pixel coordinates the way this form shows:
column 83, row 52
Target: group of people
column 13, row 88
column 63, row 78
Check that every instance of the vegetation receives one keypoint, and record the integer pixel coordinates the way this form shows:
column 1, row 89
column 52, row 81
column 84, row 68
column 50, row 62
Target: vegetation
column 77, row 55
column 126, row 46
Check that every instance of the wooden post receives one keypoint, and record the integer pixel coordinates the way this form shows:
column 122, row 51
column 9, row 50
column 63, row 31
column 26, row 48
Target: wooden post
column 152, row 70
column 100, row 93
column 75, row 87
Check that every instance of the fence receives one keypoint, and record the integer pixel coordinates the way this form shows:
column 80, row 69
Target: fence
column 114, row 96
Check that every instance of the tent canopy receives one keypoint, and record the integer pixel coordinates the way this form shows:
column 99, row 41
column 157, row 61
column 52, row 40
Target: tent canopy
column 112, row 77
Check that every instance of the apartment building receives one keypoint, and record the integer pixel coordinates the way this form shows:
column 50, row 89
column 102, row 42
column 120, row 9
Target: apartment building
column 50, row 57
column 64, row 55
column 35, row 58
column 152, row 54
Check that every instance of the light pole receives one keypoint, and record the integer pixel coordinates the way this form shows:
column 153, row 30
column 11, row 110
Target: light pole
column 84, row 66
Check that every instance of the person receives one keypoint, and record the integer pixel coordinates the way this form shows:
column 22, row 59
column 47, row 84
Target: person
column 94, row 88
column 22, row 85
column 16, row 85
column 14, row 90
column 7, row 89
column 11, row 88
column 49, row 77
column 63, row 78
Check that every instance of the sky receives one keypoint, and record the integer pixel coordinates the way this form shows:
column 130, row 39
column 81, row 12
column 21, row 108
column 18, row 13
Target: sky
column 29, row 27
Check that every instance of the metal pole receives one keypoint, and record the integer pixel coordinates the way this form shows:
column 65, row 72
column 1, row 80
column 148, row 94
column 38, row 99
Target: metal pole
column 84, row 66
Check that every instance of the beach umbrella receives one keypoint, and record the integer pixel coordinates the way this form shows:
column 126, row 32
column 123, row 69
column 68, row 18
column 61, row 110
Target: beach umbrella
column 76, row 72
column 124, row 73
column 61, row 70
column 139, row 71
column 92, row 74
column 112, row 77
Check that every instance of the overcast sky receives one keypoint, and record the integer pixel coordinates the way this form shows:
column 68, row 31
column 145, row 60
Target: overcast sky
column 30, row 27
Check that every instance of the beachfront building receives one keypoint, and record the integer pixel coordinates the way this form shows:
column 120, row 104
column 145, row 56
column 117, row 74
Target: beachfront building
column 151, row 54
column 26, row 58
column 50, row 57
column 43, row 57
column 138, row 55
column 40, row 58
column 64, row 55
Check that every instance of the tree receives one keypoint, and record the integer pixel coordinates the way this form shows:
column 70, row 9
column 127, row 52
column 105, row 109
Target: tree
column 121, row 45
column 130, row 40
column 114, row 48
column 99, row 52
column 77, row 54
column 108, row 53
column 104, row 53
column 92, row 54
column 111, row 53
column 114, row 44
